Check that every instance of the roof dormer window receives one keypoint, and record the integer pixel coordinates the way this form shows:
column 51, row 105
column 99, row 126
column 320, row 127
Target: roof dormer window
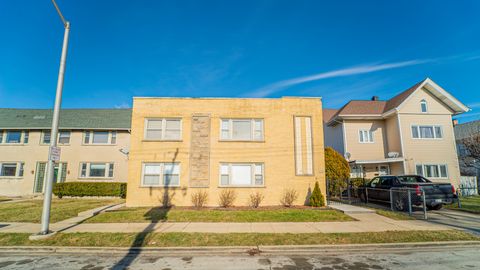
column 423, row 106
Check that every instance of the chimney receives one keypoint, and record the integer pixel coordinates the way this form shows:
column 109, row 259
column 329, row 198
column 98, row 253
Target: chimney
column 455, row 122
column 375, row 98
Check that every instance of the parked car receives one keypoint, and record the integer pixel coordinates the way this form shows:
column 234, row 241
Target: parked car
column 382, row 187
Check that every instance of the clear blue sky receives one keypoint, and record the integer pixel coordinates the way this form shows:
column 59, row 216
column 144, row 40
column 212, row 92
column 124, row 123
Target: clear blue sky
column 121, row 49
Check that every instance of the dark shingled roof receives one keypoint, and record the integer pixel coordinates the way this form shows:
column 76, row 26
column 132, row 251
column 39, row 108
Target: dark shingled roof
column 373, row 107
column 466, row 130
column 116, row 119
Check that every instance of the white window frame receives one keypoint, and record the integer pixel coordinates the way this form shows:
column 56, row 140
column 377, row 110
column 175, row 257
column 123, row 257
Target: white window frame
column 162, row 129
column 161, row 175
column 24, row 134
column 253, row 130
column 252, row 171
column 435, row 136
column 90, row 137
column 423, row 102
column 42, row 137
column 87, row 171
column 20, row 167
column 432, row 164
column 370, row 137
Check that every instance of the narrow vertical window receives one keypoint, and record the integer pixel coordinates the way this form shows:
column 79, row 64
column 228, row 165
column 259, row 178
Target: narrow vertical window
column 25, row 136
column 86, row 139
column 423, row 106
column 110, row 170
column 419, row 169
column 83, row 169
column 20, row 171
column 113, row 139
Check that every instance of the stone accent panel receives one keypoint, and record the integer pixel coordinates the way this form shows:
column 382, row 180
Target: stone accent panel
column 200, row 151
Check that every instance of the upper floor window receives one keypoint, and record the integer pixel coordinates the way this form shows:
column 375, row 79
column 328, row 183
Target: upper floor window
column 63, row 137
column 244, row 174
column 14, row 136
column 11, row 169
column 365, row 136
column 168, row 129
column 96, row 170
column 241, row 129
column 432, row 170
column 161, row 174
column 427, row 132
column 423, row 106
column 100, row 137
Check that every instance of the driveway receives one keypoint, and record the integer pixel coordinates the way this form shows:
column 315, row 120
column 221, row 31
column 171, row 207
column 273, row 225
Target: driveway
column 456, row 219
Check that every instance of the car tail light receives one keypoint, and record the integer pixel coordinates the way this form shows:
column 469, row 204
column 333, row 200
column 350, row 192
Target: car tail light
column 453, row 189
column 418, row 191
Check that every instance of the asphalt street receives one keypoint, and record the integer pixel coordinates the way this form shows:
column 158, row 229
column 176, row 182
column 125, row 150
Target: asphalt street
column 424, row 258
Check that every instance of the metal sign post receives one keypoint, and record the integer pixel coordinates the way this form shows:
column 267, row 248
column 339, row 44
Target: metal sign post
column 54, row 153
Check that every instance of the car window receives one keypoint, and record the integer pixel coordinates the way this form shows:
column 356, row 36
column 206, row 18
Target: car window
column 386, row 181
column 413, row 179
column 374, row 182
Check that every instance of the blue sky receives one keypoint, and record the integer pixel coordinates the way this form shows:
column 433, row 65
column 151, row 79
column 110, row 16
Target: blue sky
column 339, row 50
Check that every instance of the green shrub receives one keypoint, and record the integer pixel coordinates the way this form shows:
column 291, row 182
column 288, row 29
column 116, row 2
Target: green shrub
column 82, row 189
column 358, row 182
column 316, row 199
column 337, row 170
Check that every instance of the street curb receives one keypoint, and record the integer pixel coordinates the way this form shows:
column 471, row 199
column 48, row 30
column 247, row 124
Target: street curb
column 241, row 250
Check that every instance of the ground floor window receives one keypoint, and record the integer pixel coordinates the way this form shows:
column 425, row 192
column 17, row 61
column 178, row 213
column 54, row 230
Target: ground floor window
column 241, row 174
column 11, row 169
column 432, row 170
column 96, row 170
column 161, row 174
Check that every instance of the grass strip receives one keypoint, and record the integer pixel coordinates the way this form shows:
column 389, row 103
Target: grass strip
column 31, row 210
column 469, row 204
column 145, row 214
column 230, row 239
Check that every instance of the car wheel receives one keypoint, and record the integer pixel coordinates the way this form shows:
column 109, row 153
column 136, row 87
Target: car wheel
column 399, row 204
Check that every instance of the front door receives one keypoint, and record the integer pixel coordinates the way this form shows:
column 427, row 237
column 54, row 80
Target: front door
column 59, row 175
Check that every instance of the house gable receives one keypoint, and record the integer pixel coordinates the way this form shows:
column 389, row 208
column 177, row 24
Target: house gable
column 433, row 105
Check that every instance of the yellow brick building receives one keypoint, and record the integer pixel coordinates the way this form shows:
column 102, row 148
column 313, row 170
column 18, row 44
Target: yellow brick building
column 183, row 145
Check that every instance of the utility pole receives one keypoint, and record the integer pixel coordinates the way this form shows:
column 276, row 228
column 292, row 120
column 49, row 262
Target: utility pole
column 54, row 151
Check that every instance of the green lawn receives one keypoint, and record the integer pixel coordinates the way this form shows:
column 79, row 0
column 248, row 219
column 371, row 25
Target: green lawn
column 146, row 214
column 469, row 204
column 394, row 215
column 31, row 211
column 230, row 239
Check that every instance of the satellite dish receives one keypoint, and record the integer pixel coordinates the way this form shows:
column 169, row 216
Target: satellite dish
column 347, row 155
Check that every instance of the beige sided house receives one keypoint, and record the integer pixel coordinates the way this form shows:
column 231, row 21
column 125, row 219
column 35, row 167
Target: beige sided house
column 183, row 145
column 411, row 133
column 93, row 142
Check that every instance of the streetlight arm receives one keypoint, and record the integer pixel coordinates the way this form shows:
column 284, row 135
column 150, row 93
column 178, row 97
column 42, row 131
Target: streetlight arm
column 65, row 23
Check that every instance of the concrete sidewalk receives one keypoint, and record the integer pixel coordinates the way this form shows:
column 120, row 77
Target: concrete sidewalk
column 365, row 222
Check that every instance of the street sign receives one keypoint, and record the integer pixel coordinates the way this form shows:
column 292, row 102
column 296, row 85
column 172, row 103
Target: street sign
column 54, row 153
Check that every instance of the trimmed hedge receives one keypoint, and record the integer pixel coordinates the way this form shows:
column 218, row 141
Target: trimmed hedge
column 82, row 189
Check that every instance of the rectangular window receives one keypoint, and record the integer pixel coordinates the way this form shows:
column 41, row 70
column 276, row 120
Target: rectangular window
column 168, row 129
column 86, row 138
column 46, row 137
column 100, row 137
column 1, row 136
column 11, row 169
column 245, row 174
column 64, row 137
column 365, row 136
column 110, row 170
column 241, row 129
column 83, row 169
column 161, row 174
column 427, row 132
column 432, row 170
column 25, row 136
column 96, row 170
column 13, row 136
column 114, row 137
